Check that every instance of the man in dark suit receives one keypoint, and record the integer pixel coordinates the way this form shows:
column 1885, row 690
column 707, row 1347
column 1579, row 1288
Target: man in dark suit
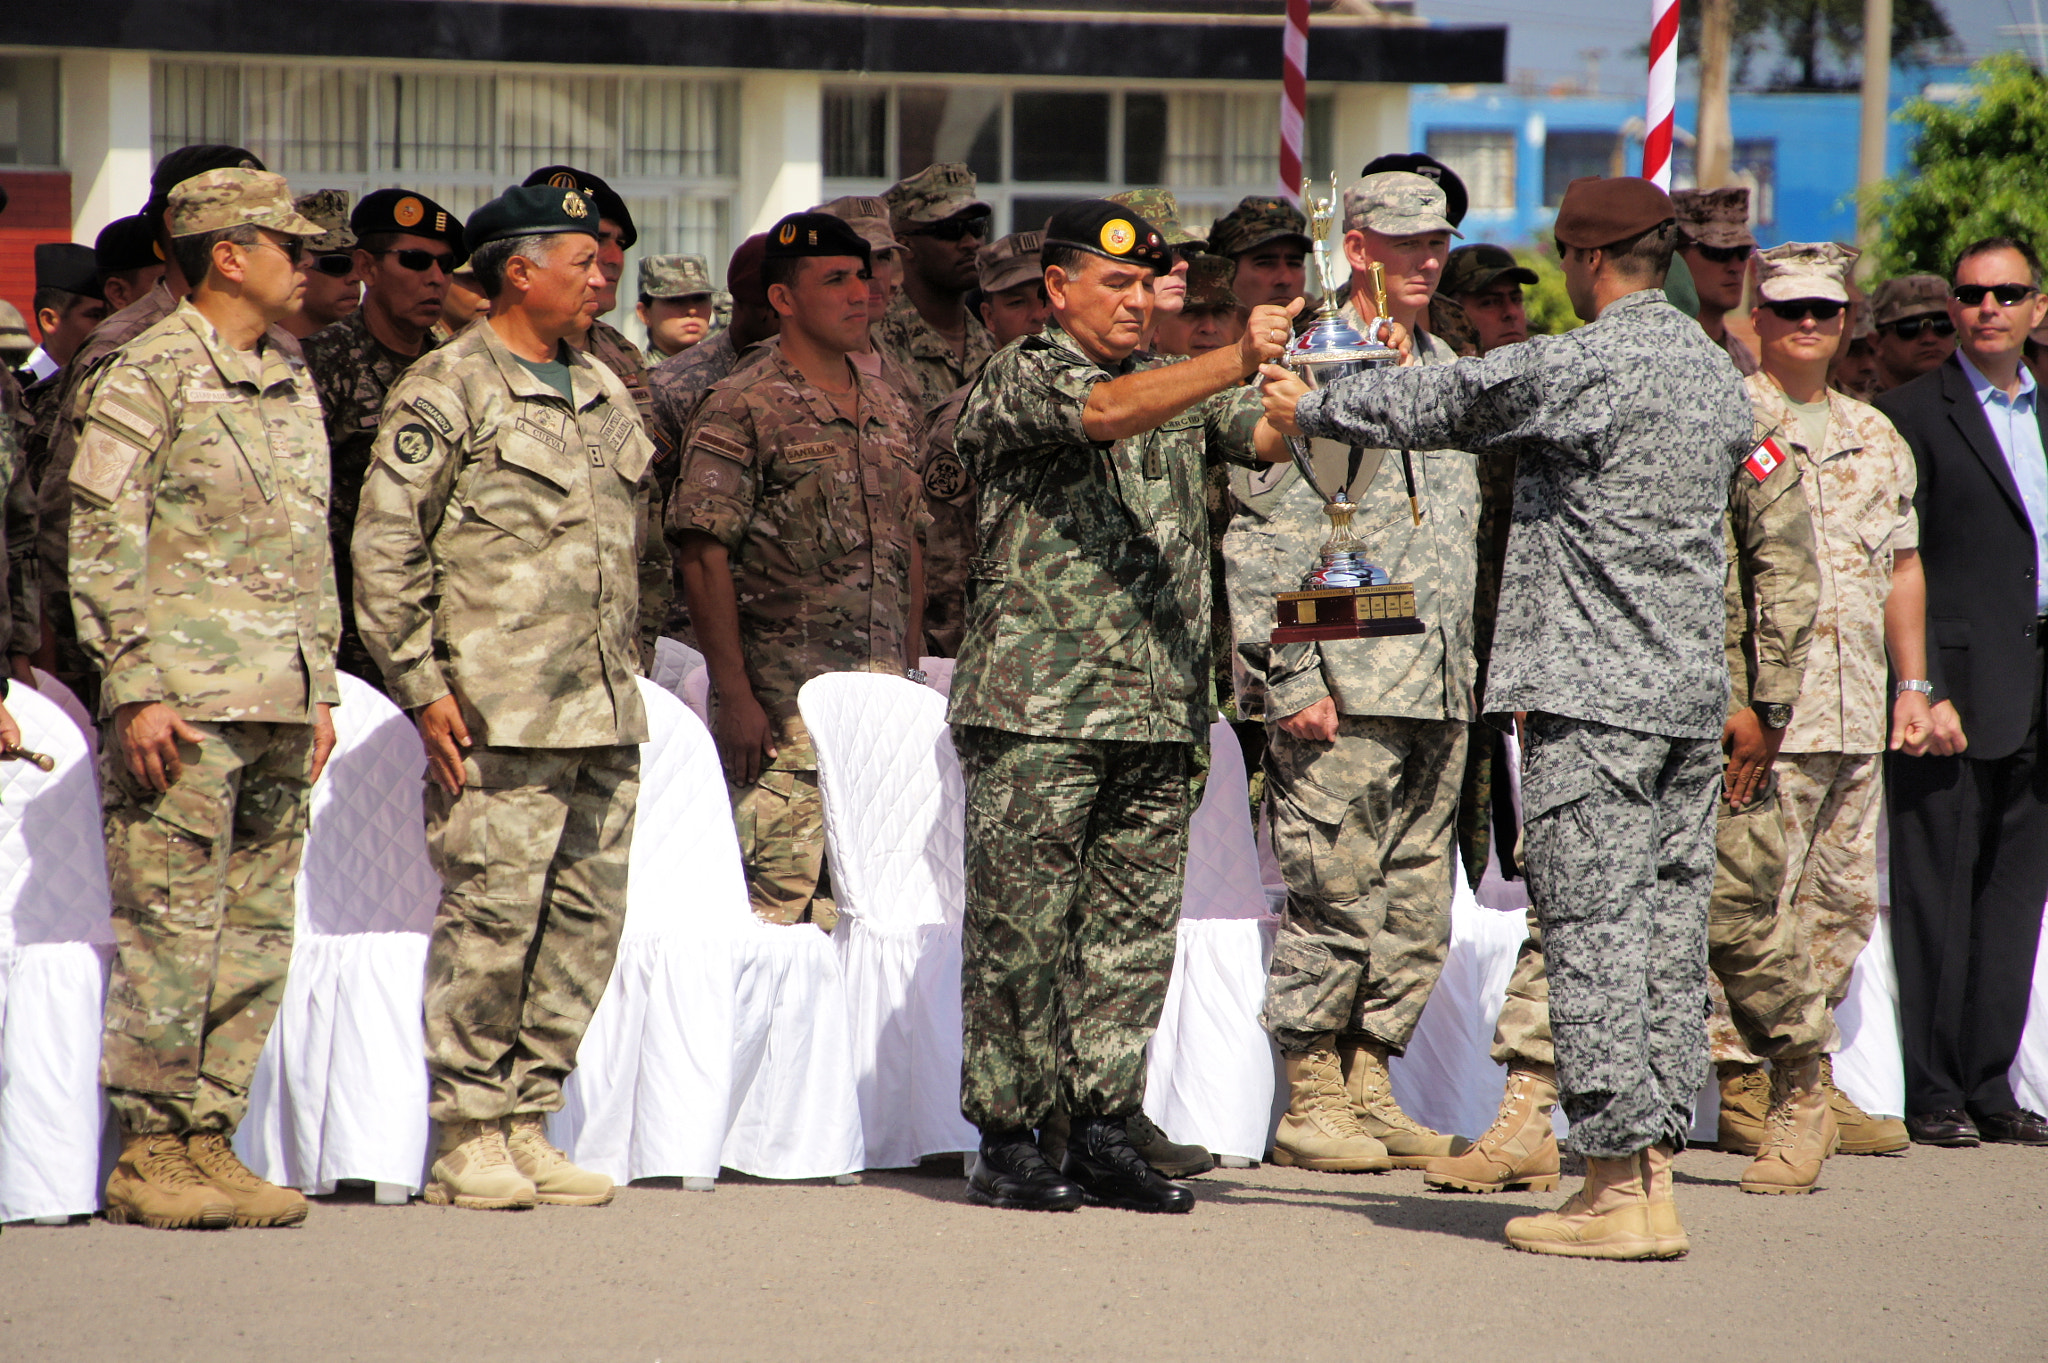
column 1969, row 821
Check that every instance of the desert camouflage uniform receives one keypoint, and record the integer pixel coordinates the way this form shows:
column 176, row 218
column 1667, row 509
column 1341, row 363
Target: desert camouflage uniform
column 201, row 578
column 938, row 368
column 949, row 544
column 353, row 372
column 821, row 521
column 609, row 347
column 1611, row 637
column 1080, row 696
column 496, row 551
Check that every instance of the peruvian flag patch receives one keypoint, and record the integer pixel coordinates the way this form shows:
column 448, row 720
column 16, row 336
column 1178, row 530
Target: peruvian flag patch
column 1763, row 461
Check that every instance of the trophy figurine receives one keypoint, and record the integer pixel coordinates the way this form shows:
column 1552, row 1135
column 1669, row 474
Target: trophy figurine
column 1345, row 597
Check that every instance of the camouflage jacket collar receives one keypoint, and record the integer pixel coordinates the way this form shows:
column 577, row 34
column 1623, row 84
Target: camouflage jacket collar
column 1056, row 337
column 583, row 380
column 819, row 406
column 609, row 345
column 354, row 334
column 1774, row 418
column 1621, row 308
column 923, row 341
column 262, row 369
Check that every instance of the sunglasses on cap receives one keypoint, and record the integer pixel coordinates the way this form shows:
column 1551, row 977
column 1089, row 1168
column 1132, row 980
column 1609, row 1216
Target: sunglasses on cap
column 1911, row 328
column 417, row 260
column 1724, row 255
column 1972, row 295
column 955, row 228
column 335, row 264
column 1799, row 309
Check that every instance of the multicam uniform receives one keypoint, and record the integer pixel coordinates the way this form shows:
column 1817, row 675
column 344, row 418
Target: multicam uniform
column 610, row 348
column 820, row 514
column 201, row 578
column 495, row 553
column 949, row 544
column 931, row 360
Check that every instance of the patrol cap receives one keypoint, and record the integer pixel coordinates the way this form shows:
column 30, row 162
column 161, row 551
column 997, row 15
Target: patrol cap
column 1714, row 217
column 867, row 215
column 220, row 199
column 1912, row 295
column 674, row 276
column 67, row 266
column 1162, row 210
column 1456, row 199
column 1397, row 203
column 531, row 211
column 1598, row 212
column 329, row 208
column 743, row 271
column 186, row 162
column 1257, row 219
column 609, row 204
column 415, row 215
column 13, row 330
column 1111, row 231
column 1804, row 269
column 1209, row 285
column 1009, row 261
column 815, row 234
column 934, row 194
column 127, row 244
column 1480, row 266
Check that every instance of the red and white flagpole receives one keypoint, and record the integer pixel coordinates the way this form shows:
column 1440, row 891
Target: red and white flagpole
column 1293, row 97
column 1663, row 92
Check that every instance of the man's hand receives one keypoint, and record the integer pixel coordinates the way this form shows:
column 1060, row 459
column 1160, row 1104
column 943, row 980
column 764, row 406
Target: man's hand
column 22, row 668
column 1282, row 391
column 1267, row 333
column 10, row 732
column 1395, row 337
column 1316, row 724
column 746, row 740
column 1751, row 750
column 323, row 739
column 1947, row 738
column 444, row 736
column 149, row 732
column 1912, row 723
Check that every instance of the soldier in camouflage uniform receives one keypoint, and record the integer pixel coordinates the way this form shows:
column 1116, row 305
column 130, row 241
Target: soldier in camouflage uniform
column 204, row 593
column 1611, row 639
column 1915, row 334
column 407, row 247
column 330, row 296
column 1170, row 290
column 675, row 302
column 1716, row 244
column 795, row 522
column 495, row 555
column 869, row 218
column 680, row 382
column 935, row 214
column 1078, row 702
column 1267, row 240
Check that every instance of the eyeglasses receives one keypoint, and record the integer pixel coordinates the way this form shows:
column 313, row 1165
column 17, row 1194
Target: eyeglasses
column 1911, row 328
column 1724, row 255
column 1972, row 295
column 1799, row 309
column 954, row 228
column 336, row 264
column 417, row 260
column 291, row 248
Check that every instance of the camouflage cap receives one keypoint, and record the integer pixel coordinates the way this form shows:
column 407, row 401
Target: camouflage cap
column 1480, row 266
column 13, row 329
column 1009, row 261
column 230, row 198
column 1162, row 210
column 329, row 208
column 866, row 215
column 1913, row 295
column 1397, row 203
column 1257, row 219
column 674, row 276
column 1209, row 285
column 1713, row 217
column 1804, row 269
column 934, row 194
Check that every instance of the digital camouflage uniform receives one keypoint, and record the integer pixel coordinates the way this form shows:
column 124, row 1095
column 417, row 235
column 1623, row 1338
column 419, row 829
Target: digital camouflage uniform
column 610, row 348
column 353, row 372
column 1078, row 700
column 1611, row 637
column 496, row 550
column 821, row 522
column 200, row 577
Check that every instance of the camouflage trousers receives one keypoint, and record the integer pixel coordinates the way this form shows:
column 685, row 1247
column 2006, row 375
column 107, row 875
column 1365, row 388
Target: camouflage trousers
column 1756, row 954
column 1619, row 830
column 1075, row 853
column 203, row 907
column 1364, row 832
column 532, row 859
column 781, row 823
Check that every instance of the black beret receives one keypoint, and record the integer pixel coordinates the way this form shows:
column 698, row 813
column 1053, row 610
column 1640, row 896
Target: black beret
column 187, row 163
column 67, row 266
column 816, row 234
column 1456, row 200
column 609, row 204
column 401, row 210
column 127, row 244
column 530, row 211
column 1109, row 230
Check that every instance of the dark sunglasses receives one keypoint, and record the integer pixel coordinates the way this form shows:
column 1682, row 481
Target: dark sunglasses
column 1799, row 309
column 291, row 248
column 1724, row 255
column 1972, row 295
column 416, row 260
column 335, row 263
column 953, row 229
column 1911, row 328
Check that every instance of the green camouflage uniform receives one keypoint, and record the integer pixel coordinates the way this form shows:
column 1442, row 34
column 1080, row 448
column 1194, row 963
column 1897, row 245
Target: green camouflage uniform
column 496, row 551
column 1080, row 696
column 821, row 520
column 609, row 347
column 200, row 577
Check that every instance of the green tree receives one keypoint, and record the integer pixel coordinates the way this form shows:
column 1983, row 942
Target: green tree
column 1550, row 307
column 1979, row 168
column 1815, row 44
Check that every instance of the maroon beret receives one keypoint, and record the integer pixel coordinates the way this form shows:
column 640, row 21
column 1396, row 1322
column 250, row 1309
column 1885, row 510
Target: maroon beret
column 743, row 274
column 1598, row 212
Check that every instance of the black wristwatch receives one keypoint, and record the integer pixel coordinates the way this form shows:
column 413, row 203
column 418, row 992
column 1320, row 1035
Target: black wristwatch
column 1774, row 714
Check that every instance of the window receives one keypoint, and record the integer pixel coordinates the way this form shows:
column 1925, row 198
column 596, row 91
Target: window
column 1485, row 161
column 1060, row 135
column 1144, row 139
column 1568, row 155
column 950, row 123
column 28, row 111
column 856, row 134
column 308, row 119
column 1753, row 165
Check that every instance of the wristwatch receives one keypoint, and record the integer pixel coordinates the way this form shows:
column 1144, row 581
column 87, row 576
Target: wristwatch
column 1775, row 714
column 1925, row 688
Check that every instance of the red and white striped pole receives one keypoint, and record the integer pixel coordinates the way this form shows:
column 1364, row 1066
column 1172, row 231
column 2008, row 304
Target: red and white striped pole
column 1293, row 97
column 1663, row 92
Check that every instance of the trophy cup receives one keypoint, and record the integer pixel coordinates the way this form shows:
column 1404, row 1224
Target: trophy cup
column 1344, row 597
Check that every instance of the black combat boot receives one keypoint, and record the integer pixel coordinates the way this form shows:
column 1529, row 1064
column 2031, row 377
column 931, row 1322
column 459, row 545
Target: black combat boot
column 1101, row 1158
column 1011, row 1173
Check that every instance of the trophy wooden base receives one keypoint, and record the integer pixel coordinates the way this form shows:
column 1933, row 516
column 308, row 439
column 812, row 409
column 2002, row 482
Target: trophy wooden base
column 1346, row 613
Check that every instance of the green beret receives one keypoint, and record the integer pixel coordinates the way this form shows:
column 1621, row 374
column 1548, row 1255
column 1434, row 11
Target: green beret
column 609, row 204
column 401, row 210
column 530, row 211
column 1109, row 230
column 817, row 234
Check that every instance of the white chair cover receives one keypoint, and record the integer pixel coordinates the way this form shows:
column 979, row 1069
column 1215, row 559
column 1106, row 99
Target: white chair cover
column 341, row 1088
column 721, row 1039
column 894, row 826
column 680, row 670
column 55, row 944
column 60, row 695
column 2030, row 1068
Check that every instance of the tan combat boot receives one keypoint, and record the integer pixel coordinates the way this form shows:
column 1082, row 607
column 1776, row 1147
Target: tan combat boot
column 257, row 1203
column 1862, row 1134
column 1366, row 1082
column 1519, row 1151
column 1670, row 1235
column 1608, row 1218
column 1320, row 1130
column 472, row 1168
column 155, row 1183
column 1745, row 1099
column 1799, row 1135
column 555, row 1180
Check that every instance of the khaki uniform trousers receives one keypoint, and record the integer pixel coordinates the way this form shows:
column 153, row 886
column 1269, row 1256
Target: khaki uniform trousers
column 781, row 824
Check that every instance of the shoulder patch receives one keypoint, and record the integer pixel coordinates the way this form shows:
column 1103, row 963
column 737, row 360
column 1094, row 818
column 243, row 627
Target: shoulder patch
column 435, row 415
column 617, row 426
column 413, row 443
column 111, row 408
column 944, row 477
column 105, row 460
column 721, row 444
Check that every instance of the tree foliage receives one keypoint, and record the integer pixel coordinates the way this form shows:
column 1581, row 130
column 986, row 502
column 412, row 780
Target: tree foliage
column 1979, row 169
column 1550, row 307
column 1814, row 44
